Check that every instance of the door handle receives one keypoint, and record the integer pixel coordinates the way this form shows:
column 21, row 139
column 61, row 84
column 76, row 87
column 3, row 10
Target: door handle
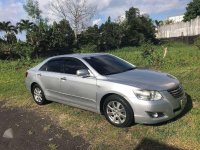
column 63, row 79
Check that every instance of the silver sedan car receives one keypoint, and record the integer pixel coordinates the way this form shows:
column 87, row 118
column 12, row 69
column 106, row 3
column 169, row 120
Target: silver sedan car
column 108, row 85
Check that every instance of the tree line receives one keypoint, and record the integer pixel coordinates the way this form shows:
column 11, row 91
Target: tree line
column 69, row 34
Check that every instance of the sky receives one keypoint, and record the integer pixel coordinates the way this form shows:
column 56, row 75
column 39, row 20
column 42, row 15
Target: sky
column 12, row 10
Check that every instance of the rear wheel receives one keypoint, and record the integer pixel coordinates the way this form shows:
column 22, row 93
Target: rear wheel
column 38, row 95
column 118, row 111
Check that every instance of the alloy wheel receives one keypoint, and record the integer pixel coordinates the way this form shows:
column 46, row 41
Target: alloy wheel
column 38, row 94
column 116, row 112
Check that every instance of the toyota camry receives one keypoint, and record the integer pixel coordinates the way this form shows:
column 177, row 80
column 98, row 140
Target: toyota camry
column 108, row 85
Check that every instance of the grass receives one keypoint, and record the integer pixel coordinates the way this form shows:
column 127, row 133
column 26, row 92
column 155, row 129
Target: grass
column 52, row 147
column 182, row 61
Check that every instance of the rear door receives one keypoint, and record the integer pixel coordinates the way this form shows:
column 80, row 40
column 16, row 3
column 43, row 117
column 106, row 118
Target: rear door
column 49, row 77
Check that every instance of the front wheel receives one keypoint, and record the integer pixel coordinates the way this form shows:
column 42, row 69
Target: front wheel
column 118, row 111
column 38, row 95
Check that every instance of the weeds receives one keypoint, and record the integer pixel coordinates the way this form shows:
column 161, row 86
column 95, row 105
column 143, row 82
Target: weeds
column 181, row 60
column 152, row 55
column 53, row 147
column 197, row 42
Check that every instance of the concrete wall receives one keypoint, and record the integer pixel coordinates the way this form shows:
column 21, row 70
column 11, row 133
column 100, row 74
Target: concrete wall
column 191, row 28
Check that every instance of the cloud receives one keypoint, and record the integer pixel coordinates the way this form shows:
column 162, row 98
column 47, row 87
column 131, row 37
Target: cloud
column 158, row 6
column 118, row 7
column 101, row 4
column 13, row 9
column 97, row 21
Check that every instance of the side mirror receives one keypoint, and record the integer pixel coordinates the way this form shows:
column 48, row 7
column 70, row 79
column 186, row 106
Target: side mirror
column 83, row 73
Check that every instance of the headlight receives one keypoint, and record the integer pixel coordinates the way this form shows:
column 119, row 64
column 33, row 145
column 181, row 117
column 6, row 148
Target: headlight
column 147, row 95
column 171, row 76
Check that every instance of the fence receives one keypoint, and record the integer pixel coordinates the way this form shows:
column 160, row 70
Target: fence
column 181, row 29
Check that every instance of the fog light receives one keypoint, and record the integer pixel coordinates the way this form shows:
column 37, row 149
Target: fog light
column 155, row 114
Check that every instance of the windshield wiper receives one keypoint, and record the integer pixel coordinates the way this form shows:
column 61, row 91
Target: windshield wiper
column 129, row 69
column 111, row 73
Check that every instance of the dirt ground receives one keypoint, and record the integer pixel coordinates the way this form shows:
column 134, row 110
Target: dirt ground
column 22, row 130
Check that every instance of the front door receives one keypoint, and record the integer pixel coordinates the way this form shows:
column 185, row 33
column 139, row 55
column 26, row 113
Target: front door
column 75, row 89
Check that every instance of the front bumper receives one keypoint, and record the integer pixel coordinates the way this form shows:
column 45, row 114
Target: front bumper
column 170, row 107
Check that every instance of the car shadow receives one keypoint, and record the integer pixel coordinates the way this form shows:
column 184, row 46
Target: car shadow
column 186, row 110
column 147, row 144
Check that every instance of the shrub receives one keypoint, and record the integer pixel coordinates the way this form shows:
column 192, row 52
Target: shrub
column 24, row 51
column 197, row 42
column 152, row 55
column 14, row 51
column 89, row 48
column 6, row 51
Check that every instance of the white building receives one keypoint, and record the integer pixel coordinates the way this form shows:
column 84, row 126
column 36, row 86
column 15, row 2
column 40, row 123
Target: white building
column 180, row 29
column 176, row 19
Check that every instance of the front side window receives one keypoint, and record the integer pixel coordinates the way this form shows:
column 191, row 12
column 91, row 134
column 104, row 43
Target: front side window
column 108, row 64
column 71, row 65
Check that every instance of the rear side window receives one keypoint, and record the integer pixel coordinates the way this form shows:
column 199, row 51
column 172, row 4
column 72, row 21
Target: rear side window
column 53, row 66
column 71, row 65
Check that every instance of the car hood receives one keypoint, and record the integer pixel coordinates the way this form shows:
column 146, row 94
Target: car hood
column 145, row 79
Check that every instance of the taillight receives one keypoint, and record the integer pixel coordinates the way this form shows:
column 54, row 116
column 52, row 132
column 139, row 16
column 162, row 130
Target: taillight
column 26, row 74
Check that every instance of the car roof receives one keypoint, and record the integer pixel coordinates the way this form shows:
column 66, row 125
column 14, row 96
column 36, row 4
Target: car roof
column 80, row 55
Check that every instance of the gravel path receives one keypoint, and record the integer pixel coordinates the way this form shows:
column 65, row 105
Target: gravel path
column 22, row 130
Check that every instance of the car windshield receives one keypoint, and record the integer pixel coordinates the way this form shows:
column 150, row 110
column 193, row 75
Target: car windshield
column 108, row 64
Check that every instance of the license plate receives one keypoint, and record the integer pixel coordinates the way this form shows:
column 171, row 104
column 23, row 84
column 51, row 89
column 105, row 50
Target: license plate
column 181, row 102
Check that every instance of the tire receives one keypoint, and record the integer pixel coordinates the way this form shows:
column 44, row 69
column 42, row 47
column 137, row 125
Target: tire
column 38, row 95
column 118, row 111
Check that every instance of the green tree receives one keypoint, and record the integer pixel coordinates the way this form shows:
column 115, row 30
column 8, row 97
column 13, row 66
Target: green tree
column 37, row 37
column 133, row 31
column 90, row 36
column 36, row 32
column 138, row 28
column 78, row 12
column 23, row 50
column 62, row 35
column 111, row 35
column 9, row 30
column 158, row 23
column 192, row 10
column 6, row 44
column 147, row 28
column 45, row 38
column 11, row 38
column 132, row 14
column 25, row 25
column 7, row 27
column 32, row 9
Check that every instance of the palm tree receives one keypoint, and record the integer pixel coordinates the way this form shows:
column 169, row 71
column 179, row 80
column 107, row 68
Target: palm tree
column 158, row 23
column 25, row 25
column 28, row 27
column 7, row 27
column 9, row 38
column 10, row 31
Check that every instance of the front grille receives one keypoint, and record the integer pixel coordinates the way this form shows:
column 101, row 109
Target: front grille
column 176, row 92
